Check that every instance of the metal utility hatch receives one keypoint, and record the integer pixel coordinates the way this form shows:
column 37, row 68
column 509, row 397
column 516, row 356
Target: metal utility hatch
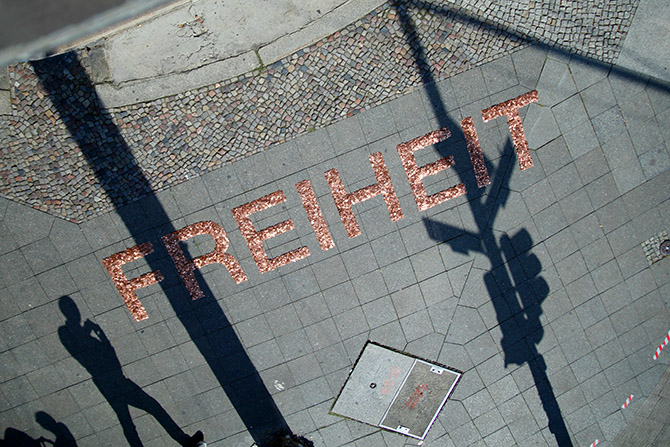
column 395, row 391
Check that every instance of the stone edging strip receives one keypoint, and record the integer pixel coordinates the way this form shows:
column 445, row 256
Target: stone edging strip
column 364, row 65
column 133, row 92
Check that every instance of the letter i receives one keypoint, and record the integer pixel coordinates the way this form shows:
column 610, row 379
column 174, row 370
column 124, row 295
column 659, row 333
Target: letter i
column 475, row 151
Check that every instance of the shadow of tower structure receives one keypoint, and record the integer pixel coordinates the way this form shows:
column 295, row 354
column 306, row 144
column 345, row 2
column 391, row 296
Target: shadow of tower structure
column 74, row 97
column 516, row 294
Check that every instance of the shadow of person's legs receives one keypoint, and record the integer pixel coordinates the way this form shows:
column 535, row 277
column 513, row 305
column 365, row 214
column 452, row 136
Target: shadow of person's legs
column 89, row 345
column 142, row 400
column 122, row 410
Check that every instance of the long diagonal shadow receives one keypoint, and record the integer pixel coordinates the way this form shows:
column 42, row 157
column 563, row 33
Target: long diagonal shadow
column 516, row 297
column 494, row 26
column 87, row 120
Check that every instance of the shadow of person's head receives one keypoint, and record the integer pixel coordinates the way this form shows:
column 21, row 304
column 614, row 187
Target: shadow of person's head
column 60, row 430
column 69, row 308
column 46, row 421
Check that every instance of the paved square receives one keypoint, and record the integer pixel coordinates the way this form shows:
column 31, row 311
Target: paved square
column 216, row 259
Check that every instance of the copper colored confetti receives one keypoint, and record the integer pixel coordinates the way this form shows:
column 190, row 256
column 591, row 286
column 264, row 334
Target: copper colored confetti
column 345, row 202
column 475, row 151
column 384, row 181
column 511, row 110
column 186, row 267
column 127, row 287
column 416, row 174
column 314, row 214
column 255, row 238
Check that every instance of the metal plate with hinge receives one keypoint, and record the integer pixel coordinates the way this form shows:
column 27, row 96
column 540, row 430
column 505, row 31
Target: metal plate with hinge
column 395, row 391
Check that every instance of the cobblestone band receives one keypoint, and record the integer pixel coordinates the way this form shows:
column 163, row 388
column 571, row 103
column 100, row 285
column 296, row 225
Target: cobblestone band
column 594, row 28
column 364, row 65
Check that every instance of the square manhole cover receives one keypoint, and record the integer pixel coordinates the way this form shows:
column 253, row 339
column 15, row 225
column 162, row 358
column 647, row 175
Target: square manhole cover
column 395, row 391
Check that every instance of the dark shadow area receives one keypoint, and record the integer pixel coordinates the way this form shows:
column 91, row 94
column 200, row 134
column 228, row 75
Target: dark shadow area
column 14, row 437
column 88, row 344
column 514, row 284
column 89, row 123
column 62, row 435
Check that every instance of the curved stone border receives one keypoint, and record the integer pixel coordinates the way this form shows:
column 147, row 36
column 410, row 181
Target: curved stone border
column 256, row 52
column 366, row 64
column 594, row 30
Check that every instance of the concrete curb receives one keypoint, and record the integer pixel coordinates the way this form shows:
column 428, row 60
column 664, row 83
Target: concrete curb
column 73, row 34
column 126, row 93
column 650, row 24
column 5, row 99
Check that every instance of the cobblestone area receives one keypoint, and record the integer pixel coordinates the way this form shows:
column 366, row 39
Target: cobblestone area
column 652, row 247
column 366, row 64
column 594, row 28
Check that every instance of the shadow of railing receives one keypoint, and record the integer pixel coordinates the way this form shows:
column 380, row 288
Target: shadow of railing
column 516, row 297
column 118, row 173
column 493, row 26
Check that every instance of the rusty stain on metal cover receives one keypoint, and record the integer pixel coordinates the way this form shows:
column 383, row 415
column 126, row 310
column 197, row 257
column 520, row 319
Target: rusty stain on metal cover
column 408, row 394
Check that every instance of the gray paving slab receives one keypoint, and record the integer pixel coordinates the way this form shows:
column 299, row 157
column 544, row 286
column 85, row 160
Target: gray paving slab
column 636, row 55
column 570, row 113
column 5, row 103
column 541, row 273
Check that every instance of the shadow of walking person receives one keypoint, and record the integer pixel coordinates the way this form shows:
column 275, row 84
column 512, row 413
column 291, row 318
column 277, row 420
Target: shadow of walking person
column 14, row 438
column 63, row 434
column 88, row 343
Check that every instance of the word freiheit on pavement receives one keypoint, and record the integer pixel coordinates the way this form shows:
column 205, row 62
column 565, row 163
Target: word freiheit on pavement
column 344, row 201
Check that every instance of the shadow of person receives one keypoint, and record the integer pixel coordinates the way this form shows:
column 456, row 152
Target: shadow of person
column 88, row 344
column 14, row 437
column 63, row 435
